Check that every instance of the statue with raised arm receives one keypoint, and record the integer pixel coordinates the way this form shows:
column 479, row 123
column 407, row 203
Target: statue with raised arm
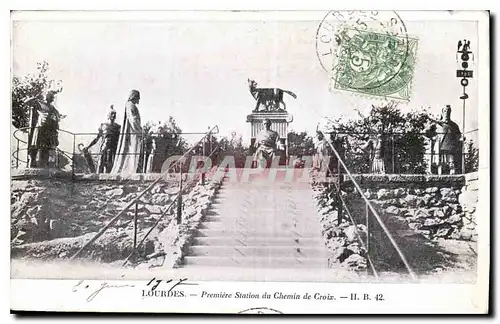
column 266, row 143
column 129, row 144
column 43, row 134
column 108, row 133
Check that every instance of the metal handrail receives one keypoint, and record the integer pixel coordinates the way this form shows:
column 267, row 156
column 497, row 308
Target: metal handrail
column 391, row 133
column 139, row 196
column 356, row 231
column 15, row 134
column 374, row 211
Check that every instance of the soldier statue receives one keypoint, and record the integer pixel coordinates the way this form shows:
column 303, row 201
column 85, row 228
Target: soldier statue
column 44, row 129
column 109, row 134
column 266, row 142
column 449, row 140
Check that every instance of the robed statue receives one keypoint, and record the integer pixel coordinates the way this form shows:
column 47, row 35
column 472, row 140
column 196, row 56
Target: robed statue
column 129, row 144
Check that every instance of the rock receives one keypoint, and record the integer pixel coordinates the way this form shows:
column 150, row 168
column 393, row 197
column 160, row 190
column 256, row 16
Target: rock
column 466, row 234
column 354, row 248
column 414, row 225
column 392, row 210
column 426, row 199
column 443, row 232
column 356, row 261
column 439, row 213
column 153, row 209
column 350, row 233
column 399, row 192
column 432, row 190
column 424, row 232
column 454, row 218
column 383, row 194
column 418, row 191
column 411, row 200
column 448, row 194
column 369, row 194
column 432, row 222
column 114, row 192
column 468, row 200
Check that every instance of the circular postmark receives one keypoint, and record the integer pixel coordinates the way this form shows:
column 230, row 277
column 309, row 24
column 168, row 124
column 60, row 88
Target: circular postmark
column 260, row 311
column 366, row 51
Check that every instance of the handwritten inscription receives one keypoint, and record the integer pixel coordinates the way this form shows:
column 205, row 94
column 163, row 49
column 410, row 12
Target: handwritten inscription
column 81, row 285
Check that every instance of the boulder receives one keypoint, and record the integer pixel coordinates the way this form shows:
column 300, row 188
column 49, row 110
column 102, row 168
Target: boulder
column 432, row 222
column 392, row 210
column 384, row 194
column 411, row 200
column 432, row 190
column 350, row 233
column 114, row 192
column 455, row 218
column 426, row 199
column 356, row 262
column 448, row 194
column 439, row 213
column 443, row 232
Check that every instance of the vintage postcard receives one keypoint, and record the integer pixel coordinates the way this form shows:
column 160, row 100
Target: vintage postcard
column 253, row 162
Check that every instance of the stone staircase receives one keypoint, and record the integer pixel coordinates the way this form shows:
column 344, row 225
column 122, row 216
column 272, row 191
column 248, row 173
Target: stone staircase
column 260, row 224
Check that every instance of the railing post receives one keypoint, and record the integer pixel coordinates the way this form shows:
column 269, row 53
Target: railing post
column 339, row 193
column 393, row 155
column 367, row 216
column 204, row 154
column 73, row 156
column 179, row 198
column 463, row 155
column 135, row 224
column 17, row 155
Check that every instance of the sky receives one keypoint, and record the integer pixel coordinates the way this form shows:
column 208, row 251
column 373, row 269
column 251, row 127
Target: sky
column 197, row 70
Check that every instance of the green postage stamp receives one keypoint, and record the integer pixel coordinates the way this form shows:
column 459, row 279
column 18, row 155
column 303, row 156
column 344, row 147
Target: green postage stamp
column 375, row 64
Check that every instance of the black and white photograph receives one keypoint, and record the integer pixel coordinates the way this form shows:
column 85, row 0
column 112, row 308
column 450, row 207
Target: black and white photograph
column 254, row 162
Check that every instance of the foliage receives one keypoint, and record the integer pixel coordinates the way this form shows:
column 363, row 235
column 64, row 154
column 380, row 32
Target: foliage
column 32, row 85
column 402, row 135
column 300, row 144
column 169, row 133
column 471, row 157
column 230, row 146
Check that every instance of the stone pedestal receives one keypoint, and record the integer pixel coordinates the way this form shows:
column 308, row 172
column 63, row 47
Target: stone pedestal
column 279, row 120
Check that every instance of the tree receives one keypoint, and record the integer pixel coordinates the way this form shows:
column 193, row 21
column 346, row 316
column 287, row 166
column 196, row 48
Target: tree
column 168, row 140
column 300, row 144
column 403, row 134
column 471, row 157
column 31, row 85
column 230, row 146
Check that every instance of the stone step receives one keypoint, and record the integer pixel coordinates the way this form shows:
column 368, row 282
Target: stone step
column 249, row 220
column 259, row 241
column 243, row 234
column 268, row 225
column 258, row 251
column 256, row 262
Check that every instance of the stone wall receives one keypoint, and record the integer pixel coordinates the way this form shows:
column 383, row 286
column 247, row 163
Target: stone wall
column 429, row 204
column 468, row 200
column 418, row 210
column 53, row 214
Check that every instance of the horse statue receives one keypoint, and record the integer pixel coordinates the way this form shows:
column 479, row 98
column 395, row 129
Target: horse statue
column 271, row 98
